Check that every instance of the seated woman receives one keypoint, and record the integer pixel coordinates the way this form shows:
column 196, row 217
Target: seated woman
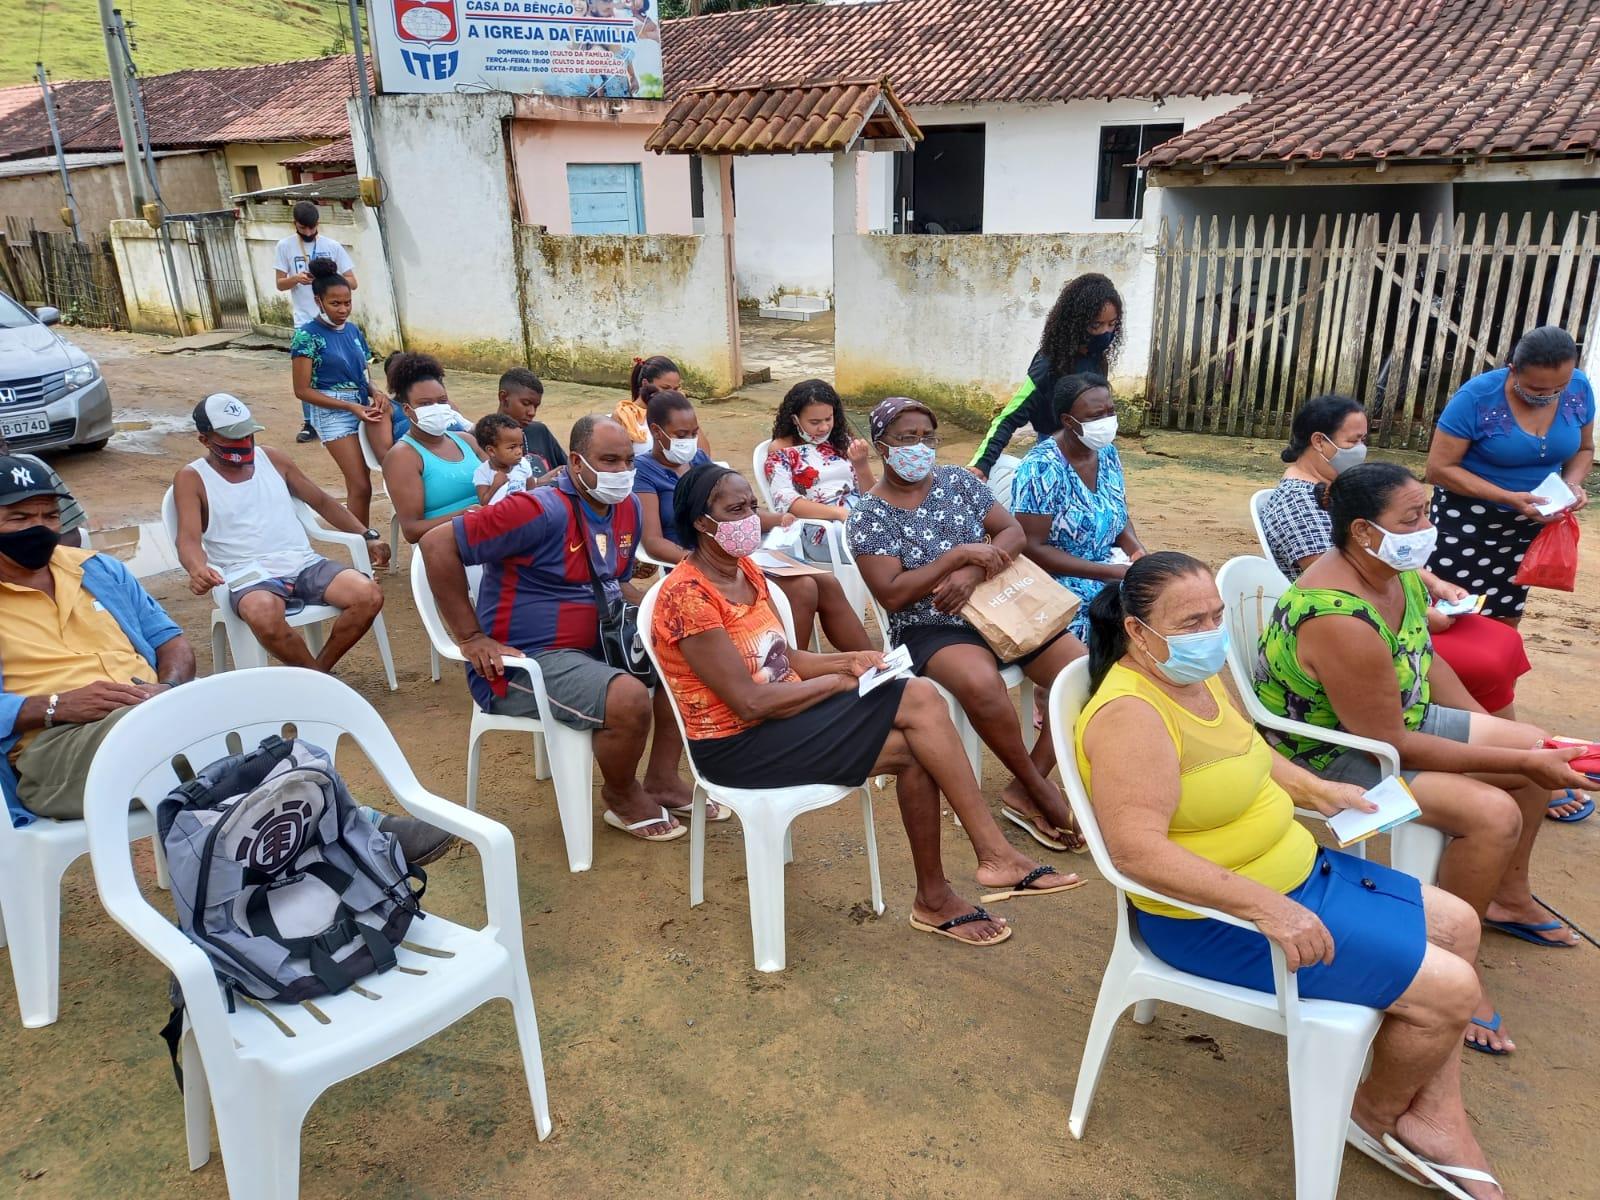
column 649, row 376
column 761, row 713
column 1069, row 498
column 429, row 471
column 1348, row 648
column 814, row 467
column 924, row 538
column 674, row 451
column 1193, row 804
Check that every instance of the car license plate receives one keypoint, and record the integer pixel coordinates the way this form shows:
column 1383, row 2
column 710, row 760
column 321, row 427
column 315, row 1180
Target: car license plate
column 23, row 426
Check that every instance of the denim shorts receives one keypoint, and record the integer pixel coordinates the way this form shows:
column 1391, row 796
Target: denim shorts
column 332, row 424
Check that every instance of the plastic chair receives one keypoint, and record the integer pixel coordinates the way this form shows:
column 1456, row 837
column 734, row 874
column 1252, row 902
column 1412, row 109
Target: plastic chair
column 374, row 463
column 1011, row 676
column 1257, row 503
column 558, row 750
column 229, row 633
column 765, row 814
column 839, row 563
column 32, row 862
column 1327, row 1041
column 260, row 1068
column 1250, row 588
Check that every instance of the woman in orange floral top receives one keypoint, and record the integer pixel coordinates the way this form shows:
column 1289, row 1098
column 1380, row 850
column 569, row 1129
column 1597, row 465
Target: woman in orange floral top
column 761, row 713
column 814, row 467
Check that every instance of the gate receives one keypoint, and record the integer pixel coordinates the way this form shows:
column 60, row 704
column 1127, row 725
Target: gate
column 80, row 279
column 1249, row 324
column 214, row 253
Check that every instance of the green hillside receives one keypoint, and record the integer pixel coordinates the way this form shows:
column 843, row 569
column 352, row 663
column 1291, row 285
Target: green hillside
column 169, row 35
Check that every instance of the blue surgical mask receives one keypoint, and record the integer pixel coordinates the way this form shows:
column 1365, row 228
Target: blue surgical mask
column 911, row 463
column 1193, row 657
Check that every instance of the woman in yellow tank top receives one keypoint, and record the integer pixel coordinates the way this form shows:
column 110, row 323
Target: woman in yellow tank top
column 1195, row 805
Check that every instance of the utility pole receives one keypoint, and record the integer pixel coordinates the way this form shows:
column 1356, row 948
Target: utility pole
column 61, row 156
column 141, row 127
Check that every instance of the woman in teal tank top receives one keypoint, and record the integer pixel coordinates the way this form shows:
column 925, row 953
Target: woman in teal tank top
column 429, row 471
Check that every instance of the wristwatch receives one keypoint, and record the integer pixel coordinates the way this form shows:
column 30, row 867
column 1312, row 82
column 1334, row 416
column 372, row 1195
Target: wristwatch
column 372, row 535
column 50, row 710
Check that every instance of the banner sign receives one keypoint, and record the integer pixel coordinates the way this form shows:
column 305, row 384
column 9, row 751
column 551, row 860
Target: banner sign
column 608, row 48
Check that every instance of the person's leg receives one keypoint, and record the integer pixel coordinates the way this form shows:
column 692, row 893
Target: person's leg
column 1414, row 1088
column 618, row 746
column 662, row 783
column 841, row 624
column 801, row 593
column 263, row 611
column 346, row 452
column 359, row 600
column 924, row 738
column 53, row 768
column 969, row 674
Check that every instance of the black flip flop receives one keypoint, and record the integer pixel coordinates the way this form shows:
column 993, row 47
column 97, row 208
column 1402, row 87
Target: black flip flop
column 1022, row 888
column 977, row 914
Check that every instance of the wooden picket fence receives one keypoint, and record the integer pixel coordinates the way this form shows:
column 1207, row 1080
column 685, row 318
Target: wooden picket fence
column 1251, row 320
column 40, row 267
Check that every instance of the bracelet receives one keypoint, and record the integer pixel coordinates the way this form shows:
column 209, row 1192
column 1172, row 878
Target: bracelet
column 50, row 710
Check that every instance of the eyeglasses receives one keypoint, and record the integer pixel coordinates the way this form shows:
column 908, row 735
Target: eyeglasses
column 932, row 441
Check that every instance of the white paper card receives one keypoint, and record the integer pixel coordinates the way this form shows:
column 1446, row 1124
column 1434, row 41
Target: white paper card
column 244, row 576
column 1557, row 495
column 1461, row 607
column 895, row 664
column 785, row 540
column 1396, row 806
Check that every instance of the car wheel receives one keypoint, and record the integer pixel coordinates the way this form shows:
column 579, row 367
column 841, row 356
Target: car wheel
column 91, row 447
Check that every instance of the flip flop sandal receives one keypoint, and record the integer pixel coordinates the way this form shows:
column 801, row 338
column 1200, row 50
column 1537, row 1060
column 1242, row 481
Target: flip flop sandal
column 1021, row 888
column 724, row 813
column 672, row 835
column 944, row 930
column 1363, row 1141
column 1530, row 932
column 1023, row 822
column 1572, row 796
column 1493, row 1026
column 1437, row 1173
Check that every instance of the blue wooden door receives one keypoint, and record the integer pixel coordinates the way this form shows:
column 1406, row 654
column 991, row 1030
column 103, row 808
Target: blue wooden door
column 605, row 197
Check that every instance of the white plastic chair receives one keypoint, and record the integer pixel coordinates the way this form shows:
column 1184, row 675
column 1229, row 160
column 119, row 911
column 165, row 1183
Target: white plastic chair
column 558, row 750
column 32, row 862
column 1327, row 1041
column 1250, row 588
column 374, row 463
column 1257, row 503
column 260, row 1068
column 765, row 815
column 839, row 563
column 230, row 634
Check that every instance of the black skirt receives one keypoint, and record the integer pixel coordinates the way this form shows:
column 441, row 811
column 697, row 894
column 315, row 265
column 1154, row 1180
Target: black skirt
column 837, row 741
column 924, row 641
column 1480, row 548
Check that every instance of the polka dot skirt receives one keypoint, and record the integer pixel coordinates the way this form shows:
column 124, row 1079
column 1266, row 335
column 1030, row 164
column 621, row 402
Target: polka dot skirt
column 1480, row 547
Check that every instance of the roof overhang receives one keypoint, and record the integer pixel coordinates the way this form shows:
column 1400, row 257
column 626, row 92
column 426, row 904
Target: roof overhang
column 1296, row 172
column 342, row 187
column 786, row 118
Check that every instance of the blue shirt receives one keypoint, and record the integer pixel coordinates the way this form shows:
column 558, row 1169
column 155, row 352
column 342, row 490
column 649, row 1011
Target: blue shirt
column 1501, row 451
column 652, row 479
column 144, row 623
column 338, row 357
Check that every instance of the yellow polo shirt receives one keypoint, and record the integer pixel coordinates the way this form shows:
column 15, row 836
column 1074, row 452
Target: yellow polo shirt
column 57, row 644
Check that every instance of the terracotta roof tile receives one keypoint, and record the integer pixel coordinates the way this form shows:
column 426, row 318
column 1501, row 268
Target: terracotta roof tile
column 1508, row 78
column 340, row 152
column 800, row 118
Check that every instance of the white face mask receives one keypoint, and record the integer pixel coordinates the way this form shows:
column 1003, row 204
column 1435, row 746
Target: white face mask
column 1405, row 551
column 682, row 450
column 434, row 419
column 609, row 487
column 1098, row 434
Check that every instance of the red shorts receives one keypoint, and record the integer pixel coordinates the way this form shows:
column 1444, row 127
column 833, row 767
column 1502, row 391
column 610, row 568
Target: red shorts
column 1488, row 657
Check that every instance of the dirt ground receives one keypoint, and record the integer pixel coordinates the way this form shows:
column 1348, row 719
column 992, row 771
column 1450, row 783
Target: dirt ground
column 880, row 1063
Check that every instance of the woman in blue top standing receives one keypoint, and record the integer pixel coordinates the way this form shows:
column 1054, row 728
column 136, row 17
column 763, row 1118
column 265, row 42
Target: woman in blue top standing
column 329, row 357
column 1498, row 439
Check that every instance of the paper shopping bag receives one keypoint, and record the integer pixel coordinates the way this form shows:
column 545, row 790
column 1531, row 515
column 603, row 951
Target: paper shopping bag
column 1020, row 609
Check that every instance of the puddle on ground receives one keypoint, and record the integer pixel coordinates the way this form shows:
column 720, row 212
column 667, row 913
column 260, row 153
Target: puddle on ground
column 139, row 431
column 146, row 548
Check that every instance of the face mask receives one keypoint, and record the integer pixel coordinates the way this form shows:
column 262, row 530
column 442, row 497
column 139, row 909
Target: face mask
column 739, row 538
column 1099, row 343
column 329, row 321
column 1097, row 434
column 682, row 450
column 813, row 439
column 239, row 456
column 30, row 548
column 434, row 419
column 1532, row 399
column 1405, row 551
column 1345, row 457
column 609, row 487
column 1193, row 657
column 911, row 463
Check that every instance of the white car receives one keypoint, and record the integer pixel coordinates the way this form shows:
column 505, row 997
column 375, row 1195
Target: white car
column 52, row 395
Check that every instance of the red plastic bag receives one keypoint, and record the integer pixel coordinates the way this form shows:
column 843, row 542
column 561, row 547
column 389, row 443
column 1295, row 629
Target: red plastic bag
column 1552, row 558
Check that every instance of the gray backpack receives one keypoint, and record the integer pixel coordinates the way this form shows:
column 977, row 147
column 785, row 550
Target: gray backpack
column 280, row 878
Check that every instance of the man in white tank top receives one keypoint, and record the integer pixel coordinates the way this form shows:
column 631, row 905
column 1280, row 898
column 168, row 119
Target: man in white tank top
column 237, row 527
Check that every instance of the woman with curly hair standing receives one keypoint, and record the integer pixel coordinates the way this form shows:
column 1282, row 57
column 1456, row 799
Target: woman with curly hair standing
column 1081, row 334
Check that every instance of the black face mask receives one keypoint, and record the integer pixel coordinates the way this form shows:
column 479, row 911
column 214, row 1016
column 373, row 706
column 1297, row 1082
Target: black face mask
column 1099, row 343
column 30, row 548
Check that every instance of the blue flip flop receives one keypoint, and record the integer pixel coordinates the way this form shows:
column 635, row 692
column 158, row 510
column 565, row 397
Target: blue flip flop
column 1530, row 932
column 1493, row 1026
column 1570, row 797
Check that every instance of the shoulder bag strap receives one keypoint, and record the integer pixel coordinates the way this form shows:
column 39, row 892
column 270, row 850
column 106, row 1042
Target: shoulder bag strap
column 601, row 604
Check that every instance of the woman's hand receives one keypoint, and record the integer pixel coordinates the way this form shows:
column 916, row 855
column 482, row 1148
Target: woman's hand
column 1438, row 622
column 1300, row 933
column 987, row 557
column 377, row 399
column 1582, row 501
column 858, row 452
column 1549, row 769
column 955, row 589
column 1332, row 798
column 366, row 412
column 1443, row 589
column 1526, row 503
column 856, row 663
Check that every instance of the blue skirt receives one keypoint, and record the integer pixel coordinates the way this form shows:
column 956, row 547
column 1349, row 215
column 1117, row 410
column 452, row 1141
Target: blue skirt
column 1374, row 913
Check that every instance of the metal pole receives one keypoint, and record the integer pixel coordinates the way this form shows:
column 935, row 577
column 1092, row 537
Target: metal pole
column 141, row 126
column 61, row 156
column 119, row 98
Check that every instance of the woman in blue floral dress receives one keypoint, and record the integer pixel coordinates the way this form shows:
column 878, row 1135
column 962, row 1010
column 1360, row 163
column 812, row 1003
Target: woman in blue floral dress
column 1069, row 498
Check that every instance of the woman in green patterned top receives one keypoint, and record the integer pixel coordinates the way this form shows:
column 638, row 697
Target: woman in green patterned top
column 1348, row 648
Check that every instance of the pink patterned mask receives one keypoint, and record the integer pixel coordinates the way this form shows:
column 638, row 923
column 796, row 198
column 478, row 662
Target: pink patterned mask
column 739, row 538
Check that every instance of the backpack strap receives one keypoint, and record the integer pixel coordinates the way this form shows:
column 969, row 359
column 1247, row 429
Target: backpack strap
column 319, row 948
